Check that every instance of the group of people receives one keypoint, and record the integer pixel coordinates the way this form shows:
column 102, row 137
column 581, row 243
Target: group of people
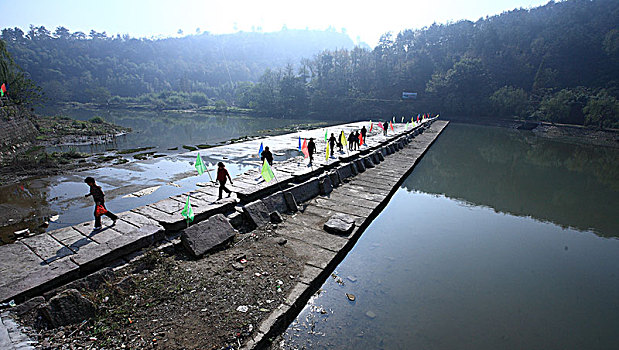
column 353, row 140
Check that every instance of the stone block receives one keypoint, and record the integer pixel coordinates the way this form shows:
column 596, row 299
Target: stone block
column 236, row 219
column 276, row 202
column 28, row 305
column 335, row 178
column 360, row 165
column 340, row 224
column 353, row 168
column 276, row 217
column 208, row 235
column 306, row 191
column 68, row 307
column 367, row 162
column 46, row 247
column 326, row 186
column 344, row 172
column 256, row 213
column 291, row 202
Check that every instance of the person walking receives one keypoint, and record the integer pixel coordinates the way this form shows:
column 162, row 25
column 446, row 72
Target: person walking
column 266, row 154
column 332, row 141
column 385, row 126
column 99, row 197
column 311, row 149
column 222, row 176
column 364, row 132
column 356, row 139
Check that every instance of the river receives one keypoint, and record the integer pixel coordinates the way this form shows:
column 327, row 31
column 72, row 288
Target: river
column 59, row 200
column 497, row 240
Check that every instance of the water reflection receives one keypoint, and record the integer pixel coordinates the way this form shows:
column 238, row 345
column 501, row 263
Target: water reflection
column 521, row 174
column 165, row 130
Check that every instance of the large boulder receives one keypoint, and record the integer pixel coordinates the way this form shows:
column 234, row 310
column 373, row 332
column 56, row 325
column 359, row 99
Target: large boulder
column 67, row 308
column 208, row 235
column 340, row 224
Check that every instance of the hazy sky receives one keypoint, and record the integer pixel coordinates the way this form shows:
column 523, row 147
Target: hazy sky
column 148, row 18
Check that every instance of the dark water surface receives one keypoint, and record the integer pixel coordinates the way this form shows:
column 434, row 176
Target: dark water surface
column 497, row 240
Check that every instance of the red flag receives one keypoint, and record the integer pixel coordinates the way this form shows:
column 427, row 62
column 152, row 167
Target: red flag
column 391, row 125
column 417, row 119
column 380, row 125
column 2, row 89
column 371, row 126
column 304, row 148
column 360, row 140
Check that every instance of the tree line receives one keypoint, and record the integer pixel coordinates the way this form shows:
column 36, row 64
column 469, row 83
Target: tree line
column 190, row 70
column 558, row 62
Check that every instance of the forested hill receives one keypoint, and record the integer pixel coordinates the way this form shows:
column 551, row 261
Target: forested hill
column 74, row 66
column 557, row 62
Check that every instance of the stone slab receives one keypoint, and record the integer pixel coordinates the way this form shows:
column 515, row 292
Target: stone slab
column 341, row 207
column 276, row 202
column 46, row 247
column 306, row 190
column 325, row 185
column 256, row 213
column 208, row 235
column 311, row 274
column 340, row 224
column 313, row 236
column 16, row 259
column 71, row 238
column 335, row 178
column 311, row 254
column 365, row 200
column 37, row 280
column 137, row 219
column 291, row 202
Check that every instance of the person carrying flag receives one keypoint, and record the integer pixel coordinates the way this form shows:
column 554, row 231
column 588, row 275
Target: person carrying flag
column 99, row 197
column 364, row 132
column 266, row 154
column 332, row 142
column 356, row 140
column 351, row 140
column 222, row 176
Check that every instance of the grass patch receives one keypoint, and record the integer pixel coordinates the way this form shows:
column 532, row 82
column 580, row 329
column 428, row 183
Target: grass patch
column 190, row 148
column 134, row 150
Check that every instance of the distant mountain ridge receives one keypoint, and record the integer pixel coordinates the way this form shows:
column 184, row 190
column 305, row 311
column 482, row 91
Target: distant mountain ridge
column 79, row 67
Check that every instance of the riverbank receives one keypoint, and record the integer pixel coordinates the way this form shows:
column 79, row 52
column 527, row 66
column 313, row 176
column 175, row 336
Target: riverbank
column 568, row 133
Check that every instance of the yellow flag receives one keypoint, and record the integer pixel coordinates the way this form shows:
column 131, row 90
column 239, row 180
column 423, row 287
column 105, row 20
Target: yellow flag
column 327, row 155
column 343, row 139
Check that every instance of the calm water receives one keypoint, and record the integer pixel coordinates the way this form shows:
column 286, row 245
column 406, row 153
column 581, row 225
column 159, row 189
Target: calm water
column 164, row 130
column 497, row 240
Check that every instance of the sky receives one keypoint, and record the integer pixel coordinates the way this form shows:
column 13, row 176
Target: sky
column 362, row 20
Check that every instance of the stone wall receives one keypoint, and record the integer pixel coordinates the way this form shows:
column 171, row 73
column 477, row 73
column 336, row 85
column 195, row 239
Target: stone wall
column 16, row 129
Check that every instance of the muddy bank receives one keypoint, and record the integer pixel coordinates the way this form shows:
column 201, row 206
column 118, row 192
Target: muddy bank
column 163, row 299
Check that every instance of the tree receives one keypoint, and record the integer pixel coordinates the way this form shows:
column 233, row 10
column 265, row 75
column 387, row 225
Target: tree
column 602, row 110
column 509, row 101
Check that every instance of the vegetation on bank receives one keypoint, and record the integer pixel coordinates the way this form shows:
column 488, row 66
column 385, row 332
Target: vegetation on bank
column 558, row 62
column 66, row 130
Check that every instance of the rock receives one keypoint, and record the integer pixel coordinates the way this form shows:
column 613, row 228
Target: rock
column 276, row 202
column 237, row 220
column 335, row 178
column 340, row 224
column 67, row 308
column 276, row 218
column 367, row 161
column 207, row 235
column 351, row 297
column 281, row 240
column 237, row 266
column 370, row 314
column 291, row 203
column 28, row 305
column 242, row 308
column 325, row 185
column 352, row 279
column 240, row 257
column 257, row 213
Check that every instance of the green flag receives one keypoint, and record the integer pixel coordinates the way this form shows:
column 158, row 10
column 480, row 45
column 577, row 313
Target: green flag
column 266, row 172
column 200, row 165
column 187, row 212
column 326, row 132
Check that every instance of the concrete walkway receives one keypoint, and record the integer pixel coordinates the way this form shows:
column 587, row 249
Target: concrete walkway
column 33, row 265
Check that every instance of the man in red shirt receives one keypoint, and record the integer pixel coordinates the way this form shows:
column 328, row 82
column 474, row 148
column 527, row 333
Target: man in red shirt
column 222, row 176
